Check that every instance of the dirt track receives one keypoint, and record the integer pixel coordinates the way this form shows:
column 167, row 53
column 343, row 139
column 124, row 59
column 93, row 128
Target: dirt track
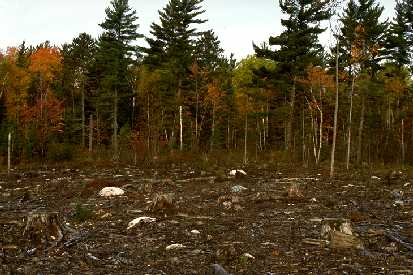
column 280, row 230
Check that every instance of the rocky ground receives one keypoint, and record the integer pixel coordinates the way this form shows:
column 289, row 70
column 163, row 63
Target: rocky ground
column 270, row 221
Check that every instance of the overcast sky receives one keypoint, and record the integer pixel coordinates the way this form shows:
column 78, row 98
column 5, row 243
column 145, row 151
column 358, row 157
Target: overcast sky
column 236, row 22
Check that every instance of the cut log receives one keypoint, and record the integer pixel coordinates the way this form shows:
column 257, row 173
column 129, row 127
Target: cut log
column 43, row 229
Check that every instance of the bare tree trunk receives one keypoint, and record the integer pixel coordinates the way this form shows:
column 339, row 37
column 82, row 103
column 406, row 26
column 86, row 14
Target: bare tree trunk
column 333, row 148
column 350, row 113
column 213, row 127
column 181, row 144
column 304, row 147
column 98, row 133
column 402, row 143
column 360, row 133
column 245, row 138
column 196, row 113
column 148, row 115
column 9, row 153
column 90, row 134
column 320, row 145
column 228, row 136
column 291, row 118
column 83, row 117
column 115, row 128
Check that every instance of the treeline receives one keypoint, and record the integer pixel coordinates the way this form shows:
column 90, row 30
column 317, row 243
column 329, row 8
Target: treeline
column 180, row 93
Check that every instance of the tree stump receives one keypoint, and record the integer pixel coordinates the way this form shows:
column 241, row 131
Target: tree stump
column 345, row 241
column 43, row 229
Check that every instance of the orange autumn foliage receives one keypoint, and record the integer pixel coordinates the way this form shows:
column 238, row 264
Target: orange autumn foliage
column 46, row 62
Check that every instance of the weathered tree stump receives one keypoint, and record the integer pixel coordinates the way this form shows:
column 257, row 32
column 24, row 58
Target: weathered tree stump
column 340, row 234
column 345, row 241
column 43, row 229
column 162, row 202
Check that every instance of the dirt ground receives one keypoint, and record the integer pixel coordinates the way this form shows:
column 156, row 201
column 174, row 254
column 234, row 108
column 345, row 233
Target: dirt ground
column 267, row 222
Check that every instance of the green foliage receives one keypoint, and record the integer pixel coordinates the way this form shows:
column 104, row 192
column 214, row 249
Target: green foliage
column 399, row 37
column 298, row 43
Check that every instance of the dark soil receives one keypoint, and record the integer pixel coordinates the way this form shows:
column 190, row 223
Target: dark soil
column 278, row 227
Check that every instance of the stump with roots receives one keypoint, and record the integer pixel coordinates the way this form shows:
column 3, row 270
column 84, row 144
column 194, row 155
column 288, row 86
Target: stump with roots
column 43, row 229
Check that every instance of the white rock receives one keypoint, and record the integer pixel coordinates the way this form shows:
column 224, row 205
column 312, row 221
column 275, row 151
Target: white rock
column 405, row 185
column 247, row 255
column 195, row 232
column 375, row 178
column 313, row 200
column 140, row 220
column 111, row 191
column 175, row 246
column 235, row 171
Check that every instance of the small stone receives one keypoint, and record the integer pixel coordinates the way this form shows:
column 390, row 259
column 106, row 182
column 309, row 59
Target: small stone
column 195, row 232
column 249, row 256
column 237, row 171
column 175, row 246
column 375, row 178
column 140, row 220
column 111, row 191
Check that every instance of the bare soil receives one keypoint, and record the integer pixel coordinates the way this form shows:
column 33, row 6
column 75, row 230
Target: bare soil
column 277, row 220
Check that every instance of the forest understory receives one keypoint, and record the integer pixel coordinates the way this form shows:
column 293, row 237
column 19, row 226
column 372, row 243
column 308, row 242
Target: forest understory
column 273, row 220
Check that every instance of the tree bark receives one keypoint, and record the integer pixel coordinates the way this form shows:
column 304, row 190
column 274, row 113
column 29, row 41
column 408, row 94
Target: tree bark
column 350, row 113
column 360, row 133
column 83, row 116
column 90, row 134
column 9, row 153
column 181, row 144
column 115, row 128
column 291, row 118
column 333, row 148
column 245, row 138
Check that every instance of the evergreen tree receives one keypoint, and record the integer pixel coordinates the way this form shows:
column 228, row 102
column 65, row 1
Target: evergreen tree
column 115, row 55
column 298, row 44
column 78, row 58
column 208, row 51
column 171, row 49
column 174, row 38
column 362, row 35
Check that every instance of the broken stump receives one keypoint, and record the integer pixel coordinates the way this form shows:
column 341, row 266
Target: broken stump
column 43, row 229
column 340, row 240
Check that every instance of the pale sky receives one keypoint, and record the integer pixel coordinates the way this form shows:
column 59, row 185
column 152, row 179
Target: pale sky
column 236, row 22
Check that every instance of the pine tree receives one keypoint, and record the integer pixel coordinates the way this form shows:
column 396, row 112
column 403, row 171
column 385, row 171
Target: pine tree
column 397, row 40
column 171, row 49
column 78, row 58
column 298, row 43
column 208, row 52
column 362, row 31
column 174, row 38
column 115, row 55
